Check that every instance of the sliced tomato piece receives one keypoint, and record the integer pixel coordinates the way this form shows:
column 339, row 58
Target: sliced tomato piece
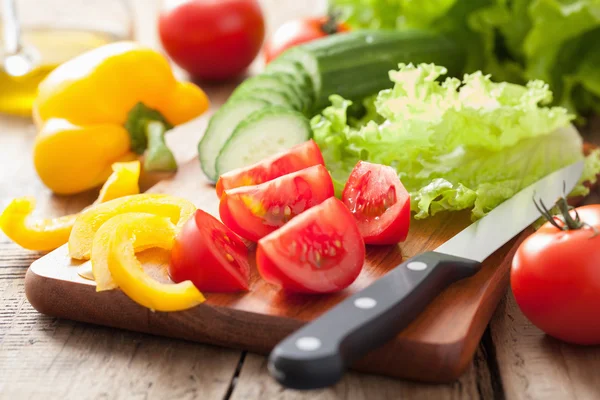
column 320, row 251
column 255, row 211
column 210, row 255
column 379, row 202
column 295, row 159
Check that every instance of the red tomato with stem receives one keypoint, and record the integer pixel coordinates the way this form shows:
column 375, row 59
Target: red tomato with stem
column 319, row 251
column 295, row 32
column 212, row 39
column 379, row 202
column 210, row 255
column 295, row 159
column 255, row 211
column 555, row 277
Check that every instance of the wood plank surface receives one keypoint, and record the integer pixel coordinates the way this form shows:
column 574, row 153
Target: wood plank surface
column 42, row 357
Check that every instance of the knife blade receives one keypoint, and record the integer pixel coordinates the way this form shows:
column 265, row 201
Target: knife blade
column 317, row 354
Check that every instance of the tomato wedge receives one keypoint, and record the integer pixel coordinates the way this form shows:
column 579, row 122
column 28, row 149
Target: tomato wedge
column 379, row 202
column 295, row 159
column 255, row 211
column 319, row 251
column 210, row 255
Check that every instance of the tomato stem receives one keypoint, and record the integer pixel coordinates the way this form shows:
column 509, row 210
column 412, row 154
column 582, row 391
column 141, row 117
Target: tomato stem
column 330, row 26
column 565, row 220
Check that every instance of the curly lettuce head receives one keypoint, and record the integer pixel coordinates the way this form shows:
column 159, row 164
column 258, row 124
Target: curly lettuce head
column 455, row 144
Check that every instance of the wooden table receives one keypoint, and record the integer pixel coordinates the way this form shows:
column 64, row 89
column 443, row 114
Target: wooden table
column 48, row 358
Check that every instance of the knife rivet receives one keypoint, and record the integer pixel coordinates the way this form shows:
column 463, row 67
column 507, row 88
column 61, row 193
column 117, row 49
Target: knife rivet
column 308, row 343
column 365, row 303
column 416, row 265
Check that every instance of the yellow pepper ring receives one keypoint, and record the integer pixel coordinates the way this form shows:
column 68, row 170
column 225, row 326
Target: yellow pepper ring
column 144, row 240
column 128, row 273
column 178, row 209
column 49, row 233
column 40, row 235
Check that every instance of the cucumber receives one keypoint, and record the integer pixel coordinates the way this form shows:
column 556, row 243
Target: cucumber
column 221, row 126
column 265, row 83
column 295, row 69
column 272, row 96
column 356, row 64
column 305, row 65
column 262, row 134
column 353, row 64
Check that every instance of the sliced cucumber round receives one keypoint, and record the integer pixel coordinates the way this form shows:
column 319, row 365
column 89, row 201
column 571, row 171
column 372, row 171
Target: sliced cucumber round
column 280, row 96
column 221, row 126
column 281, row 82
column 297, row 71
column 262, row 134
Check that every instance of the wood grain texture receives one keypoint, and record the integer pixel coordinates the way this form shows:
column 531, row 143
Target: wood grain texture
column 254, row 382
column 39, row 354
column 534, row 365
column 437, row 347
column 51, row 358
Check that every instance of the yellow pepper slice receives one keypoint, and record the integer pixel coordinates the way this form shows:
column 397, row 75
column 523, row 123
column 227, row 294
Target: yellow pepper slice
column 40, row 235
column 109, row 104
column 144, row 240
column 130, row 231
column 124, row 179
column 177, row 209
column 49, row 233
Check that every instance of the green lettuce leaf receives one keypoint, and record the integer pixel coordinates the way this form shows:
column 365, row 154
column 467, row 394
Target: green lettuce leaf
column 556, row 41
column 589, row 177
column 456, row 145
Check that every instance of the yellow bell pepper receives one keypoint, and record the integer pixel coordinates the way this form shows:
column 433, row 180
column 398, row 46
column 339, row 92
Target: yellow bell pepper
column 49, row 233
column 177, row 209
column 131, row 231
column 110, row 104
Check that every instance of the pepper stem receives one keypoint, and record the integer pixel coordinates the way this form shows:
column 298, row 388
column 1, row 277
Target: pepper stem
column 158, row 156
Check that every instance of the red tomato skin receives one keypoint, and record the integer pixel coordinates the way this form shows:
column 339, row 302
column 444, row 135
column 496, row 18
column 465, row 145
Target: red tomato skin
column 271, row 273
column 295, row 32
column 555, row 279
column 309, row 187
column 272, row 263
column 396, row 232
column 299, row 157
column 213, row 39
column 393, row 225
column 197, row 256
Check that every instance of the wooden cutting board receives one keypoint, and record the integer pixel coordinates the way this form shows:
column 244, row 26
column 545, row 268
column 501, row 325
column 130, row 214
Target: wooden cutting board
column 436, row 347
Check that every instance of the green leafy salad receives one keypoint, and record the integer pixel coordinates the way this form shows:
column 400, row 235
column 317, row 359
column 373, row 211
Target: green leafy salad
column 557, row 41
column 455, row 144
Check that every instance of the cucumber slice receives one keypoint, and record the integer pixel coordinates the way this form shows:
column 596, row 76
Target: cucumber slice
column 262, row 134
column 272, row 96
column 297, row 71
column 279, row 81
column 264, row 83
column 221, row 126
column 304, row 62
column 302, row 89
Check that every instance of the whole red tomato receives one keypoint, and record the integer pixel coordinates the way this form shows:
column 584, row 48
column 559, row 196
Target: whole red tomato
column 555, row 278
column 212, row 39
column 299, row 31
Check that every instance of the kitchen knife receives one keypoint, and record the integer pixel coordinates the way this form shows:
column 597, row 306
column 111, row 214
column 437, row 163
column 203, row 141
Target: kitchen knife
column 317, row 354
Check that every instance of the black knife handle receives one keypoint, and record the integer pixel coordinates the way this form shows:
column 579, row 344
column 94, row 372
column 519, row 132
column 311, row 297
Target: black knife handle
column 317, row 354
